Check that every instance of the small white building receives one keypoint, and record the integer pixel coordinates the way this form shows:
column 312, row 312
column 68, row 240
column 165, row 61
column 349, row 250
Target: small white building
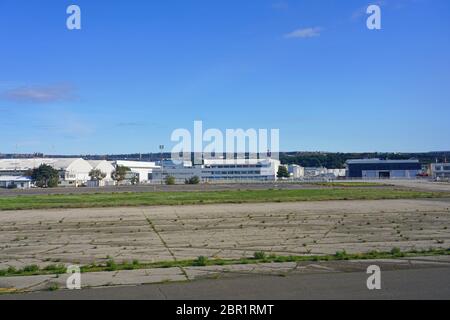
column 15, row 182
column 440, row 171
column 140, row 169
column 296, row 171
column 337, row 173
column 314, row 172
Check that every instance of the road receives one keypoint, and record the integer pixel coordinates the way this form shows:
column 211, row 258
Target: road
column 428, row 283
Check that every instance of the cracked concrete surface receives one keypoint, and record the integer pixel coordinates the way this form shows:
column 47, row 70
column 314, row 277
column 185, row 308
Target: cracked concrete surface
column 84, row 236
column 166, row 275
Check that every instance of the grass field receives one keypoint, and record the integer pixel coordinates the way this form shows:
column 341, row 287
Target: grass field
column 209, row 197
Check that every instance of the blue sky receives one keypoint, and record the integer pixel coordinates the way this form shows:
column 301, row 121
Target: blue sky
column 140, row 69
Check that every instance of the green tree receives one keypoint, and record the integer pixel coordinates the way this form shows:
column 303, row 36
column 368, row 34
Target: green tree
column 169, row 180
column 193, row 180
column 120, row 173
column 97, row 175
column 283, row 172
column 45, row 176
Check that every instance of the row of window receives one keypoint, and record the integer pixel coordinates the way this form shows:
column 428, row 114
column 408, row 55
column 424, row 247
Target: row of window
column 235, row 166
column 230, row 172
column 239, row 178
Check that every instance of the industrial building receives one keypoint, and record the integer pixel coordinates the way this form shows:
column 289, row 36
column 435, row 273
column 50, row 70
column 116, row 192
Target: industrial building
column 180, row 171
column 440, row 171
column 220, row 170
column 240, row 170
column 19, row 167
column 383, row 169
column 73, row 172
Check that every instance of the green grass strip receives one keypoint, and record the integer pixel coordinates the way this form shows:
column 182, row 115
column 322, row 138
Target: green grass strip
column 259, row 257
column 206, row 197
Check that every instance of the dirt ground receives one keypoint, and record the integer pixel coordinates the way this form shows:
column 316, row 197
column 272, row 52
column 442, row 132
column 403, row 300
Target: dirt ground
column 149, row 234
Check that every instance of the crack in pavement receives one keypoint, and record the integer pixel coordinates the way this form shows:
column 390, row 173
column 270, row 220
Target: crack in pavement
column 164, row 244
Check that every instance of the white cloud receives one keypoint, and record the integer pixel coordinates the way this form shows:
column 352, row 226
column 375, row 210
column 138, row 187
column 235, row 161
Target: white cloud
column 39, row 94
column 304, row 33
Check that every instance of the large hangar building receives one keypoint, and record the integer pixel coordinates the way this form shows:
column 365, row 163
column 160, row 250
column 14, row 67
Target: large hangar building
column 383, row 169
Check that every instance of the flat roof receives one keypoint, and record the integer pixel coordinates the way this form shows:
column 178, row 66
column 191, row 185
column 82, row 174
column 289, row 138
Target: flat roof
column 378, row 161
column 14, row 178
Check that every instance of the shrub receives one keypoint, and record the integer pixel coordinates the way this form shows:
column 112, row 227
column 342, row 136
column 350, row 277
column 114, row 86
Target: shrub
column 341, row 255
column 193, row 180
column 31, row 268
column 11, row 270
column 201, row 261
column 111, row 265
column 170, row 180
column 396, row 252
column 259, row 255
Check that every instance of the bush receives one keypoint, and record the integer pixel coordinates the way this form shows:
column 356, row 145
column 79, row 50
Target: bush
column 56, row 268
column 31, row 268
column 201, row 261
column 170, row 180
column 397, row 252
column 341, row 255
column 193, row 180
column 111, row 265
column 259, row 255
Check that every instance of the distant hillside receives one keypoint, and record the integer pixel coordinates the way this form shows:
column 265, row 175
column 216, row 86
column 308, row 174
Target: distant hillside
column 305, row 159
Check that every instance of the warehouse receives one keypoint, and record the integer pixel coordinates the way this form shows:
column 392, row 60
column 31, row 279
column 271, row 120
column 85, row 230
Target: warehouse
column 19, row 167
column 72, row 171
column 383, row 169
column 240, row 170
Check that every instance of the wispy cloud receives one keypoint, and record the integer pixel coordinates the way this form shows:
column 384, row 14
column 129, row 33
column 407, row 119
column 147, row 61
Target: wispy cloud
column 304, row 33
column 39, row 94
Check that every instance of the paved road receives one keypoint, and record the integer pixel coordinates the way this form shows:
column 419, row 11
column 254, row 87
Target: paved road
column 430, row 283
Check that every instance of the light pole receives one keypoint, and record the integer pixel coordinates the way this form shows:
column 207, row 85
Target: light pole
column 161, row 150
